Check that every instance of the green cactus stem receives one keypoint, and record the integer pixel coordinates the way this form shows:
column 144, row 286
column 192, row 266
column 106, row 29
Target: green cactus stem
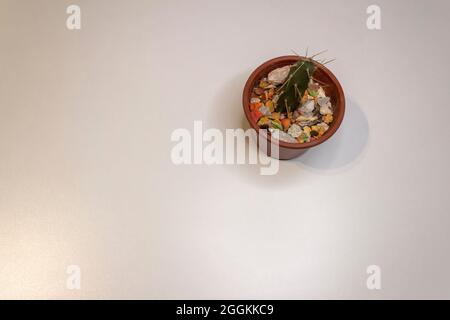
column 295, row 85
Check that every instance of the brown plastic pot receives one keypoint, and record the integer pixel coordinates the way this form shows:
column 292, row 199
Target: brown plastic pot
column 333, row 89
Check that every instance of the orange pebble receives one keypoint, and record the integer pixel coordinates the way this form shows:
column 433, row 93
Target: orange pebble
column 255, row 106
column 305, row 97
column 286, row 122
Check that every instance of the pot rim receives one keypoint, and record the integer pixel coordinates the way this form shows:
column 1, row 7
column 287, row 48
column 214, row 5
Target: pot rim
column 248, row 88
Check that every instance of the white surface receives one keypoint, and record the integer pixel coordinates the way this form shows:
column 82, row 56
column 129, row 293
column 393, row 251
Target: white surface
column 86, row 176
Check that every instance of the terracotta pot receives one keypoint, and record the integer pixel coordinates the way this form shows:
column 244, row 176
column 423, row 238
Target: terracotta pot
column 333, row 90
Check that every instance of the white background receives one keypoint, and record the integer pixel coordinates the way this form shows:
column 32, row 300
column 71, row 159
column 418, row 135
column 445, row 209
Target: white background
column 86, row 176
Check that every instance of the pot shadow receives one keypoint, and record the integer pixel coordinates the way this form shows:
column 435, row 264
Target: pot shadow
column 344, row 149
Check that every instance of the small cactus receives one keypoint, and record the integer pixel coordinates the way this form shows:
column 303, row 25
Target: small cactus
column 295, row 85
